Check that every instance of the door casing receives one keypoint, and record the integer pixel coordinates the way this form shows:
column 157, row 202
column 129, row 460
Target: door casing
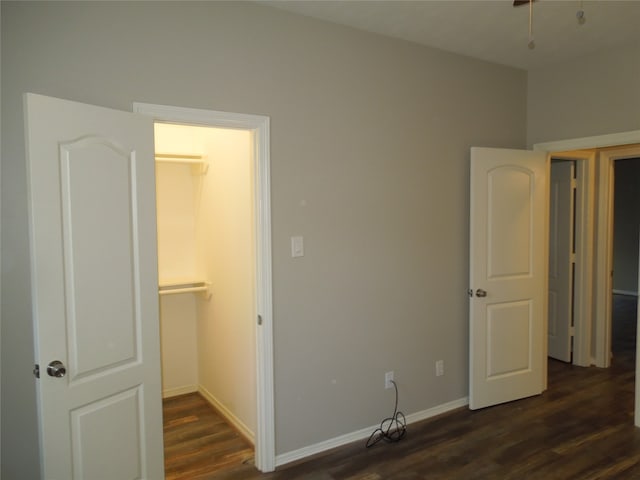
column 259, row 125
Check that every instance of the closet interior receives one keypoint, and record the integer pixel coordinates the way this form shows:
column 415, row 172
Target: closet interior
column 206, row 267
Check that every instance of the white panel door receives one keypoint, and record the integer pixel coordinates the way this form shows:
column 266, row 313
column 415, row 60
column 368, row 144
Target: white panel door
column 561, row 226
column 94, row 277
column 507, row 275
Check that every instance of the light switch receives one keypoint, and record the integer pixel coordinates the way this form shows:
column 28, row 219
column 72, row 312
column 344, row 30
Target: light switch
column 297, row 247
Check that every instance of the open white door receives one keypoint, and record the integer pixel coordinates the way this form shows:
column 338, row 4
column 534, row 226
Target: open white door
column 94, row 277
column 561, row 259
column 508, row 211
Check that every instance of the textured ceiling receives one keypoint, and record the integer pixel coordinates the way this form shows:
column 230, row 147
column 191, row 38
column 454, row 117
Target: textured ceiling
column 490, row 30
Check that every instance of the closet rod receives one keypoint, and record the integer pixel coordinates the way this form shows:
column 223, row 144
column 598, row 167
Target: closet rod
column 172, row 291
column 197, row 162
column 184, row 287
column 178, row 156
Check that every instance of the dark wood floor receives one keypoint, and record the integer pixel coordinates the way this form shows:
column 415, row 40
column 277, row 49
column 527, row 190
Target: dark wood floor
column 197, row 441
column 580, row 428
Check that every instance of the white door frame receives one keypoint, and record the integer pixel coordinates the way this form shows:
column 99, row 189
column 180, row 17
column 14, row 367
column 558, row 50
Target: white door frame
column 603, row 248
column 259, row 125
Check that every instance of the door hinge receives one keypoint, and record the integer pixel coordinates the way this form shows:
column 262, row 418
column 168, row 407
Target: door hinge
column 572, row 331
column 36, row 370
column 259, row 319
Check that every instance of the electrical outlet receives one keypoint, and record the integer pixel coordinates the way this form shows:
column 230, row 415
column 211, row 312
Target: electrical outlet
column 439, row 368
column 388, row 377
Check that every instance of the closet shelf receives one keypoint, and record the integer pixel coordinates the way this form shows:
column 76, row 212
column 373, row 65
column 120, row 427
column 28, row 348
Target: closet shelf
column 189, row 286
column 199, row 163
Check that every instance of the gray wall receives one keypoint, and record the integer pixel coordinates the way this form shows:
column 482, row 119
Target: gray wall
column 370, row 149
column 594, row 95
column 626, row 225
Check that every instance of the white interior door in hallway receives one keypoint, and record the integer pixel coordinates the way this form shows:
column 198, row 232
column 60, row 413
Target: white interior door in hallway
column 561, row 259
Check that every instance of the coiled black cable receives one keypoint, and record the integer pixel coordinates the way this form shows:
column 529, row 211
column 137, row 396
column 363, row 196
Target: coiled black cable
column 392, row 428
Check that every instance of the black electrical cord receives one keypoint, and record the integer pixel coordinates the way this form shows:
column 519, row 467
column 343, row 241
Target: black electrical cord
column 391, row 429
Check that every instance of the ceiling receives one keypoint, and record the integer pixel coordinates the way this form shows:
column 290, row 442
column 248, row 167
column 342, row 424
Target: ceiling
column 491, row 30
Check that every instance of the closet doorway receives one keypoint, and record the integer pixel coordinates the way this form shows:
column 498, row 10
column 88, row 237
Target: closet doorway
column 214, row 265
column 206, row 258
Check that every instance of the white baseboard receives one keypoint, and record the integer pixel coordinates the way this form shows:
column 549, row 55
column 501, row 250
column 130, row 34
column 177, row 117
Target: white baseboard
column 625, row 292
column 174, row 392
column 304, row 452
column 437, row 410
column 228, row 415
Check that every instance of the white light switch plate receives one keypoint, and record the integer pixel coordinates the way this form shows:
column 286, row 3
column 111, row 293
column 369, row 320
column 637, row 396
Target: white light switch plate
column 297, row 247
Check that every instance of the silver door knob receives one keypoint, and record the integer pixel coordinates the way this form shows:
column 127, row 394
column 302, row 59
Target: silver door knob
column 56, row 369
column 480, row 293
